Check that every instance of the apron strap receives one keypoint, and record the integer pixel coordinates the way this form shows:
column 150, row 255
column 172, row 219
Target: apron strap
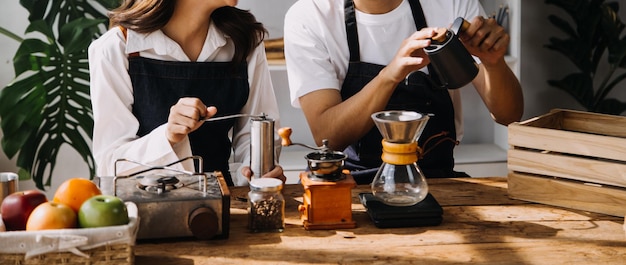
column 353, row 36
column 420, row 23
column 351, row 26
column 418, row 14
column 351, row 31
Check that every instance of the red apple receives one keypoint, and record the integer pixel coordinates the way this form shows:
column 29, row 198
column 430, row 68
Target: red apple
column 51, row 215
column 102, row 210
column 17, row 207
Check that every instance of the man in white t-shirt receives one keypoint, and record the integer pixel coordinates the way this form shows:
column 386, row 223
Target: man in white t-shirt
column 349, row 59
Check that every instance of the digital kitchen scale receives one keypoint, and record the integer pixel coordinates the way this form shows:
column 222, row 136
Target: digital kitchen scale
column 428, row 212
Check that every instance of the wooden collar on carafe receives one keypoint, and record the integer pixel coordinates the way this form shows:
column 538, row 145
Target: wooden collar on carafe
column 400, row 153
column 408, row 153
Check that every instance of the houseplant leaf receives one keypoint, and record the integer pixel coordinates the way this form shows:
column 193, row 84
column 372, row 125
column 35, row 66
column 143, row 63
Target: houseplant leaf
column 48, row 105
column 611, row 106
column 592, row 40
column 578, row 85
column 76, row 35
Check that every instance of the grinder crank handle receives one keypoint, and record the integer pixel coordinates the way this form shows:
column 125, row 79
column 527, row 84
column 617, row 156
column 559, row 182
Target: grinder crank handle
column 285, row 133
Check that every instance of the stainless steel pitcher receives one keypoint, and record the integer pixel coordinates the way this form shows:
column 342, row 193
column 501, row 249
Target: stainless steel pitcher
column 8, row 184
column 454, row 65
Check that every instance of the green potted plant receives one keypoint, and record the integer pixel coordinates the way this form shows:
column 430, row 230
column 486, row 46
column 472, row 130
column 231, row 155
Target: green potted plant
column 47, row 105
column 594, row 43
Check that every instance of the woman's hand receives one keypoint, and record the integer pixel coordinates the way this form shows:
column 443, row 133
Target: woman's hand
column 276, row 173
column 186, row 116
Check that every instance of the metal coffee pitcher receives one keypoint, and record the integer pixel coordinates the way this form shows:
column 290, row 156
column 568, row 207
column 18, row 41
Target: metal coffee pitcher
column 454, row 65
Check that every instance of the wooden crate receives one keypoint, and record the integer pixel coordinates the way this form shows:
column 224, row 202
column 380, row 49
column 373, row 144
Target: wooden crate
column 571, row 159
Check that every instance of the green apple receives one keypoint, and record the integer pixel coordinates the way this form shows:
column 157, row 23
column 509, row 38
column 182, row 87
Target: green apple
column 102, row 210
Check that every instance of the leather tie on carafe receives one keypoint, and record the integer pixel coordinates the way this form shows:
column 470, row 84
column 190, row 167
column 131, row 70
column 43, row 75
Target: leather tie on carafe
column 446, row 138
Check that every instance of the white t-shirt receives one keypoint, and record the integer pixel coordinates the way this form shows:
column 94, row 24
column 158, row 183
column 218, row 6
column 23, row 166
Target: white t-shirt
column 115, row 126
column 316, row 47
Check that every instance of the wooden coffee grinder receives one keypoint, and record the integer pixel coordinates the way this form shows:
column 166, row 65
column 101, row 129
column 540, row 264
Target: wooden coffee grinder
column 327, row 198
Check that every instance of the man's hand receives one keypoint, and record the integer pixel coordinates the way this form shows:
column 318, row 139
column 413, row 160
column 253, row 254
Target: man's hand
column 410, row 57
column 486, row 39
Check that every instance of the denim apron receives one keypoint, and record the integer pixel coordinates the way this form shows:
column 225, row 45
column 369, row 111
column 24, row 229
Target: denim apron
column 417, row 94
column 157, row 85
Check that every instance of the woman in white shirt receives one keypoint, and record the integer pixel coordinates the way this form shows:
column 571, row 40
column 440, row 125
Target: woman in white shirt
column 162, row 68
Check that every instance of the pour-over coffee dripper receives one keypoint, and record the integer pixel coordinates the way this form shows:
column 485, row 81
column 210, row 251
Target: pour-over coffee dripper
column 399, row 181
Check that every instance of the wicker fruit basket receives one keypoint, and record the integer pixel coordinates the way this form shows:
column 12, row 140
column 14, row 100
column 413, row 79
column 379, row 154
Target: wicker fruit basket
column 81, row 246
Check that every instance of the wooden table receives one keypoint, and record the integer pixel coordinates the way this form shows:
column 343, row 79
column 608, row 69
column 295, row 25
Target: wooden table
column 481, row 225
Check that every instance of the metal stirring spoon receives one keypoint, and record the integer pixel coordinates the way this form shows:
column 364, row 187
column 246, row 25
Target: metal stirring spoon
column 262, row 115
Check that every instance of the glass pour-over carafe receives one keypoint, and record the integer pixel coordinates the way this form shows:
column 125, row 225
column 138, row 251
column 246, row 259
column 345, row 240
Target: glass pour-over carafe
column 399, row 181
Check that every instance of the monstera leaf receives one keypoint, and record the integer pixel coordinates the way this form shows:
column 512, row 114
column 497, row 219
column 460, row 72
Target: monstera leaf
column 48, row 103
column 593, row 40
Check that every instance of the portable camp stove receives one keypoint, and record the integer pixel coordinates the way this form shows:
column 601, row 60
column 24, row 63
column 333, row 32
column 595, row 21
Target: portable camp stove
column 174, row 203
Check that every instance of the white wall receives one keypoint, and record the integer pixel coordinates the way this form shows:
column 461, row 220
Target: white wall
column 538, row 64
column 12, row 17
column 269, row 12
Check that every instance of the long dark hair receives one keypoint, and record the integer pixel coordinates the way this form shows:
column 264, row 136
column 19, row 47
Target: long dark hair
column 146, row 16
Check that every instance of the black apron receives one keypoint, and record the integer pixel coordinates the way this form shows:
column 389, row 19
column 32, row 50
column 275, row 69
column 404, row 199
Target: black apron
column 418, row 94
column 157, row 85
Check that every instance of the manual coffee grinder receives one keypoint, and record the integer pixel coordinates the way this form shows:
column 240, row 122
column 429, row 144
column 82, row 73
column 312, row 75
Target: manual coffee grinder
column 400, row 195
column 327, row 198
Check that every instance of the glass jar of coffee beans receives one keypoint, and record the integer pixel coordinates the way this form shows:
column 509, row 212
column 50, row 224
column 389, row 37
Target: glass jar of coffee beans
column 267, row 205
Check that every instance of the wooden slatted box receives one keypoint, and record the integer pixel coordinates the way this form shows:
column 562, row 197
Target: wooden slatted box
column 571, row 159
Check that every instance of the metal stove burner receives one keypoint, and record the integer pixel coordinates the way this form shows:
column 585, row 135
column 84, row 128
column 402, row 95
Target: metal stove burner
column 158, row 183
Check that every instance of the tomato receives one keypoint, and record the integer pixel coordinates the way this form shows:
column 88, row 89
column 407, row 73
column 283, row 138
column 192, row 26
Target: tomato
column 73, row 192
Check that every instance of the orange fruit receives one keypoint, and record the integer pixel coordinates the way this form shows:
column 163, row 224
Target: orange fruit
column 51, row 215
column 73, row 192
